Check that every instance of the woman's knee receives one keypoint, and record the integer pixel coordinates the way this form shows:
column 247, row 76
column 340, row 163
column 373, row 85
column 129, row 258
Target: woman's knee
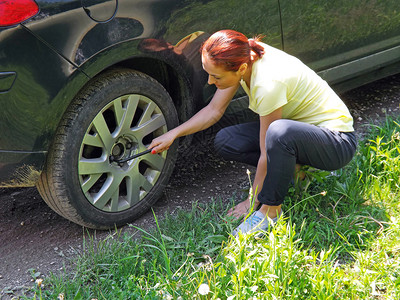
column 238, row 142
column 221, row 141
column 278, row 134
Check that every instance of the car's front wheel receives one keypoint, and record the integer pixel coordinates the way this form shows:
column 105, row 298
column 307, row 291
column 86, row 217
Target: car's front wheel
column 114, row 118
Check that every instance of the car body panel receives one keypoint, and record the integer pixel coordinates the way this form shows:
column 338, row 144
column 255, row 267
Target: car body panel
column 342, row 40
column 20, row 168
column 48, row 59
column 100, row 10
column 7, row 80
column 245, row 17
column 77, row 36
column 27, row 113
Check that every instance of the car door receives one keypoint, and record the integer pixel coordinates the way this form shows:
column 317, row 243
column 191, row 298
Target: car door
column 343, row 40
column 251, row 17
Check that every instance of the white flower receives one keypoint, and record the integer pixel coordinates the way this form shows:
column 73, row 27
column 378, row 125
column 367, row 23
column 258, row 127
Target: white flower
column 204, row 289
column 60, row 297
column 167, row 297
column 39, row 282
column 254, row 288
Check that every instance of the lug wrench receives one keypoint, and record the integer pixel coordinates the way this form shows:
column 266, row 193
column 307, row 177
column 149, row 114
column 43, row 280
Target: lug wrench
column 120, row 161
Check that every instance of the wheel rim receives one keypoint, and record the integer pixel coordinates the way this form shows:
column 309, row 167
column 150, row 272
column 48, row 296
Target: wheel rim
column 124, row 127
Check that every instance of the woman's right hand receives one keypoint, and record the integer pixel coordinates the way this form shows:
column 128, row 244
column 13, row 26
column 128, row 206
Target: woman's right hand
column 203, row 119
column 162, row 142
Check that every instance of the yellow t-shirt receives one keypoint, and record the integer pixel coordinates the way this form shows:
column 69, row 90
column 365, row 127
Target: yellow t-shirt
column 281, row 80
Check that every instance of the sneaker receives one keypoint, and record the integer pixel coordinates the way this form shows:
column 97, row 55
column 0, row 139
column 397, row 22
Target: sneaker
column 256, row 222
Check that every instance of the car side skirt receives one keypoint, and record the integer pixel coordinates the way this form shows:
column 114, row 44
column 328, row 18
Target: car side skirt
column 364, row 70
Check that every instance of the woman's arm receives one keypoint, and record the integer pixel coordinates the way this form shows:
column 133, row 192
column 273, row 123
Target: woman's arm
column 243, row 208
column 205, row 118
column 261, row 170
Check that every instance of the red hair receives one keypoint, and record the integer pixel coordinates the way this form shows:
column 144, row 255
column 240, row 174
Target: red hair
column 230, row 49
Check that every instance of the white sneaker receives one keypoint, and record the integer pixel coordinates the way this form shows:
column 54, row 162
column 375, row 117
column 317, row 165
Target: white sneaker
column 256, row 222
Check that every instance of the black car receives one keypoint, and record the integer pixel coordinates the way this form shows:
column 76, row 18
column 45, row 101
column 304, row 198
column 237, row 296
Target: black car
column 87, row 84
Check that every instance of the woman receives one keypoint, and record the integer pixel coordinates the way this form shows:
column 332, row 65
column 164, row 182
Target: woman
column 301, row 120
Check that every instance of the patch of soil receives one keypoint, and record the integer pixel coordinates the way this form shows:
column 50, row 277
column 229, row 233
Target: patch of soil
column 35, row 241
column 371, row 103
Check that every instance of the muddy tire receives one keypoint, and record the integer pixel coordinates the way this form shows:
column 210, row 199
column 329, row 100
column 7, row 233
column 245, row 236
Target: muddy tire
column 117, row 115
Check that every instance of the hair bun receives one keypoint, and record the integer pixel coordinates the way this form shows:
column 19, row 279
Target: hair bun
column 252, row 43
column 257, row 48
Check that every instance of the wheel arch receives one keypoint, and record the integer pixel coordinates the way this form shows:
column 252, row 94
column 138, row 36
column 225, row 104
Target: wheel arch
column 171, row 75
column 173, row 78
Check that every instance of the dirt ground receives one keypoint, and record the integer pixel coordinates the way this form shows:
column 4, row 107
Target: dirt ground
column 35, row 241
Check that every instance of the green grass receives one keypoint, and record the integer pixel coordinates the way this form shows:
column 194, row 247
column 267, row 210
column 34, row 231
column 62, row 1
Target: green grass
column 339, row 239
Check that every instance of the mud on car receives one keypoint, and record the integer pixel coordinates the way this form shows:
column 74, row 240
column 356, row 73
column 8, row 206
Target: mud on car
column 87, row 84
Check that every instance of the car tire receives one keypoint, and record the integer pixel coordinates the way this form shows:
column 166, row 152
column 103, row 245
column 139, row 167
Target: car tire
column 114, row 117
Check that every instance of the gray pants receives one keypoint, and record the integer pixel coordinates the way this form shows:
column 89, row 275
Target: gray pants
column 287, row 143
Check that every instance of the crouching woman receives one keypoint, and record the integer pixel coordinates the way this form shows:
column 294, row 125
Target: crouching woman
column 302, row 121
